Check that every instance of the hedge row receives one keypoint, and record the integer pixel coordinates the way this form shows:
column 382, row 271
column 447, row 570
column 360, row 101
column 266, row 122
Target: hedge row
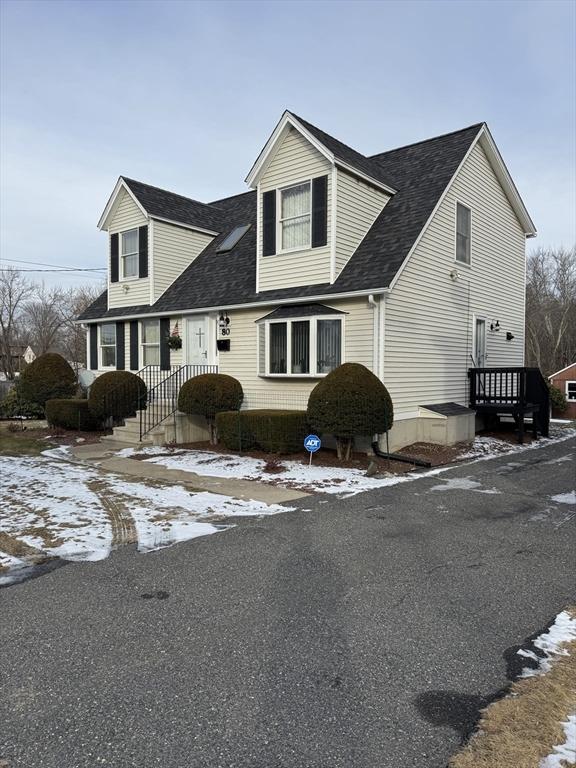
column 268, row 430
column 70, row 414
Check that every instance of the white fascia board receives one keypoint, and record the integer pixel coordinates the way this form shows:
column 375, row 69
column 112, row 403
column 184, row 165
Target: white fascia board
column 251, row 305
column 120, row 185
column 265, row 155
column 552, row 375
column 503, row 175
column 186, row 226
column 368, row 179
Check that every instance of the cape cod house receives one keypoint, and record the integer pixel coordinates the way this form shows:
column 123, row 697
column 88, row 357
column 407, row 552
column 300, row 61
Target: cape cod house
column 411, row 262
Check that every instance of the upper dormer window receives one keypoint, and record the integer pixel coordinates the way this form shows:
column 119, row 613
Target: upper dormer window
column 129, row 251
column 295, row 217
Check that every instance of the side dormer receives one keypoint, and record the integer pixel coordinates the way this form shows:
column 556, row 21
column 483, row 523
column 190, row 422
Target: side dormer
column 147, row 248
column 316, row 199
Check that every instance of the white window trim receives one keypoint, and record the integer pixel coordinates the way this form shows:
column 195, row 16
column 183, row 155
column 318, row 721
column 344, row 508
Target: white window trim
column 313, row 319
column 121, row 276
column 280, row 220
column 101, row 365
column 456, row 259
column 570, row 399
column 144, row 344
column 475, row 318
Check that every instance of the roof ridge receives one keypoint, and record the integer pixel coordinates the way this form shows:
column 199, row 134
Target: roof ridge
column 425, row 141
column 238, row 194
column 167, row 191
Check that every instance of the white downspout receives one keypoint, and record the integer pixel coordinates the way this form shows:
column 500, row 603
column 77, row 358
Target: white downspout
column 375, row 333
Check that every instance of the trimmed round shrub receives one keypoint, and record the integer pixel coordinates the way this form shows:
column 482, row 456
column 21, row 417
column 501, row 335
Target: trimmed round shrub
column 13, row 405
column 116, row 395
column 558, row 400
column 70, row 414
column 351, row 401
column 269, row 430
column 209, row 394
column 46, row 378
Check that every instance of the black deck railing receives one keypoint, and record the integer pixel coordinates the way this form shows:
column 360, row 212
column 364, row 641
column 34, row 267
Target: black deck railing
column 514, row 391
column 162, row 398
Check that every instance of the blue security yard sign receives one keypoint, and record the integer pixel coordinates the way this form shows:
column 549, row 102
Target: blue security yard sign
column 312, row 443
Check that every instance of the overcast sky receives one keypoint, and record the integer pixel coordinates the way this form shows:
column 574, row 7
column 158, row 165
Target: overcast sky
column 183, row 95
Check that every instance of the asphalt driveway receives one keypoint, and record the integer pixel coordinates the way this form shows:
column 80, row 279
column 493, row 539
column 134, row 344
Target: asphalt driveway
column 360, row 633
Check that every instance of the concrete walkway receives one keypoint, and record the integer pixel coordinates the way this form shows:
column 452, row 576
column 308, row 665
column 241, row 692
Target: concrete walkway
column 104, row 456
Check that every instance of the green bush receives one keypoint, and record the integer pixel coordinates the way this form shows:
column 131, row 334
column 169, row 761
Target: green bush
column 269, row 430
column 46, row 378
column 209, row 394
column 13, row 405
column 70, row 414
column 558, row 400
column 116, row 395
column 351, row 401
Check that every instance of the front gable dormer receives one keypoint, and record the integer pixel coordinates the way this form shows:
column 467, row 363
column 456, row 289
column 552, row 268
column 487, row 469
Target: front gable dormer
column 314, row 207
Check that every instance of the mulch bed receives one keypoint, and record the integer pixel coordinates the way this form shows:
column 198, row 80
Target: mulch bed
column 57, row 435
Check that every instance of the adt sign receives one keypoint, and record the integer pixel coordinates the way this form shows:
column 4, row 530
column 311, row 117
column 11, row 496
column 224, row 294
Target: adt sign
column 312, row 443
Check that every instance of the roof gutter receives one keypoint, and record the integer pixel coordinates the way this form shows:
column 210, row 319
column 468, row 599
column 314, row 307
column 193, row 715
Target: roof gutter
column 250, row 305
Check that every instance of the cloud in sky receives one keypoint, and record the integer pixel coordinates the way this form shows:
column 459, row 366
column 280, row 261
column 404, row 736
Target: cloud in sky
column 183, row 95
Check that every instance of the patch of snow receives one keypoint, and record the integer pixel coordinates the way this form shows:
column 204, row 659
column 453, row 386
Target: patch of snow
column 9, row 561
column 551, row 644
column 489, row 447
column 57, row 453
column 463, row 484
column 80, row 439
column 560, row 459
column 563, row 752
column 565, row 498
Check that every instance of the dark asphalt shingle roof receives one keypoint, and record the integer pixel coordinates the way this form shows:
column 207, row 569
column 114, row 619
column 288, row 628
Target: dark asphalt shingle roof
column 419, row 172
column 300, row 310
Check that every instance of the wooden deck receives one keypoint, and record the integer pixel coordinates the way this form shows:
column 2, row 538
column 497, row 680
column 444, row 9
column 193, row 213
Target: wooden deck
column 516, row 392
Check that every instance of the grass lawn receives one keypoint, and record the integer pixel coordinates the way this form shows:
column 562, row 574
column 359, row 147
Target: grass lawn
column 14, row 444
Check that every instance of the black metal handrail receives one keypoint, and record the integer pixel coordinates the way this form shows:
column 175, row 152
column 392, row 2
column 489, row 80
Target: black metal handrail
column 162, row 399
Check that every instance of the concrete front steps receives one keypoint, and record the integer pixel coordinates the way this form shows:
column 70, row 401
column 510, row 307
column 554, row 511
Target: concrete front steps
column 130, row 433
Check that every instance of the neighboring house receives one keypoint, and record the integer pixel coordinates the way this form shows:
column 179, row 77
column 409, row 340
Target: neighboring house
column 565, row 381
column 20, row 356
column 411, row 262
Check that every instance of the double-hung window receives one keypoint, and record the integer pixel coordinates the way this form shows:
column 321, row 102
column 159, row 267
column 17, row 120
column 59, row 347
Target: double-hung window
column 463, row 233
column 306, row 347
column 129, row 253
column 151, row 342
column 295, row 216
column 571, row 391
column 108, row 345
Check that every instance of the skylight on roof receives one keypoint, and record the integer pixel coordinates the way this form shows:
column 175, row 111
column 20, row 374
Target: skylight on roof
column 232, row 240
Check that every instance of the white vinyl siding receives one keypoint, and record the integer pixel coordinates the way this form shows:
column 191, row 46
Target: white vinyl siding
column 242, row 361
column 430, row 317
column 357, row 207
column 295, row 161
column 173, row 249
column 126, row 215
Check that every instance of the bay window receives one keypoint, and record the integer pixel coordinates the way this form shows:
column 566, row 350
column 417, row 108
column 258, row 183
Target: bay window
column 129, row 253
column 151, row 342
column 303, row 347
column 108, row 345
column 295, row 217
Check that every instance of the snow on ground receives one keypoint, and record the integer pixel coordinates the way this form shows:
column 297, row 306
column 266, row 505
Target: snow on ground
column 565, row 498
column 563, row 752
column 342, row 481
column 73, row 511
column 563, row 630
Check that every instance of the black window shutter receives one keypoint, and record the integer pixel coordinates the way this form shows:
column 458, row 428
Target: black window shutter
column 269, row 222
column 319, row 211
column 120, row 347
column 133, row 345
column 93, row 347
column 164, row 348
column 142, row 251
column 114, row 258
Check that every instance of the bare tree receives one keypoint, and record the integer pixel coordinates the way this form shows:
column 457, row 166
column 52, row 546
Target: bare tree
column 551, row 308
column 15, row 290
column 72, row 337
column 44, row 315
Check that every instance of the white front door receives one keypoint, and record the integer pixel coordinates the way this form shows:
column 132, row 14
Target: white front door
column 197, row 340
column 480, row 342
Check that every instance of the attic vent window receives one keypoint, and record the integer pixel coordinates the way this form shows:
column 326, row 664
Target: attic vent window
column 232, row 240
